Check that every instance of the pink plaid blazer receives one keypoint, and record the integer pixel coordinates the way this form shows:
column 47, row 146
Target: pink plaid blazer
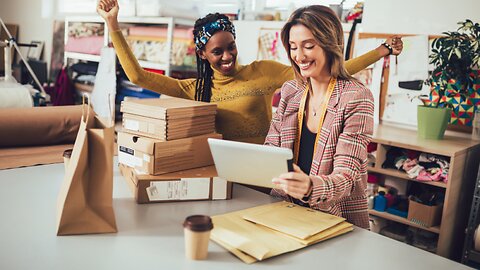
column 339, row 167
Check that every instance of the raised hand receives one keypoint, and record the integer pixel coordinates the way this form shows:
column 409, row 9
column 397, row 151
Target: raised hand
column 108, row 10
column 396, row 43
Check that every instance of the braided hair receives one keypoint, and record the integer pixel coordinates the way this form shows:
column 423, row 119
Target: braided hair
column 202, row 31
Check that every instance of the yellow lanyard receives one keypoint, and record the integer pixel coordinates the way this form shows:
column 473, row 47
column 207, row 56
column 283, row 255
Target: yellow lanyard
column 301, row 110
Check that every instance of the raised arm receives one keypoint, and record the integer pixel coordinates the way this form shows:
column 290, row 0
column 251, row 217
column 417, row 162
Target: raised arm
column 108, row 10
column 363, row 61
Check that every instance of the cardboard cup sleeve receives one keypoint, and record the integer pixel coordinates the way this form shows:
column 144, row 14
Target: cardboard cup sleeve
column 39, row 125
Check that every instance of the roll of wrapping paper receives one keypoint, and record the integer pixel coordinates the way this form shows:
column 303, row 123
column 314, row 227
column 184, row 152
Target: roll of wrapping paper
column 476, row 238
column 40, row 125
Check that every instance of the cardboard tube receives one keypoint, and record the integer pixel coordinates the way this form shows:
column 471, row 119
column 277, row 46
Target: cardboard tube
column 40, row 125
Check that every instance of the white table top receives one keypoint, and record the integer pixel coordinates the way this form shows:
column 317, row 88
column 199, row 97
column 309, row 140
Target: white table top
column 150, row 236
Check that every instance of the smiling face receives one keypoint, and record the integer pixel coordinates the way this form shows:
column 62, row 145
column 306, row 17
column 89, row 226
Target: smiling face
column 306, row 53
column 221, row 52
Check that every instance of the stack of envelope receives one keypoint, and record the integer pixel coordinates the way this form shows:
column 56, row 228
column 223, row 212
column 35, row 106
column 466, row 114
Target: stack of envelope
column 262, row 232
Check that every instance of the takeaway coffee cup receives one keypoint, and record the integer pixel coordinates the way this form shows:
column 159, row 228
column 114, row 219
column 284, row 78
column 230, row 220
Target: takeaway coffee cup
column 197, row 234
column 66, row 157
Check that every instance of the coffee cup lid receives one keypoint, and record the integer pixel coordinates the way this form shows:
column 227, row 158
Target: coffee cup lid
column 198, row 223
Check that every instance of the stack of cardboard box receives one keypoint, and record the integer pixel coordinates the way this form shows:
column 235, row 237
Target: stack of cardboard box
column 163, row 150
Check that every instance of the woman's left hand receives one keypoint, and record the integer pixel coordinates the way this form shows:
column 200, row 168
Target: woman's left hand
column 396, row 43
column 296, row 184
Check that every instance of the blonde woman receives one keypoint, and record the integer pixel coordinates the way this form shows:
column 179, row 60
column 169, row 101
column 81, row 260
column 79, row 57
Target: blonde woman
column 326, row 117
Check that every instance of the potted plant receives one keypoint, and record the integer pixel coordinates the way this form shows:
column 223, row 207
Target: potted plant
column 456, row 58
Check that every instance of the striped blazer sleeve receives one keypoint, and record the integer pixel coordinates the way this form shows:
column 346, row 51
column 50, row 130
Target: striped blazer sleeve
column 350, row 154
column 274, row 134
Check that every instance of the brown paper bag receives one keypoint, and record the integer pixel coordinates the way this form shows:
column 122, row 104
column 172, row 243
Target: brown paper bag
column 85, row 199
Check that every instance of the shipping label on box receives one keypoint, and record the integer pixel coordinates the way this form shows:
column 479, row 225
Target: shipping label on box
column 127, row 156
column 185, row 189
column 195, row 184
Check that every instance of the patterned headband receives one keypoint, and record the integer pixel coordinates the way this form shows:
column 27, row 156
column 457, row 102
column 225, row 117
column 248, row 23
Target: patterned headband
column 209, row 29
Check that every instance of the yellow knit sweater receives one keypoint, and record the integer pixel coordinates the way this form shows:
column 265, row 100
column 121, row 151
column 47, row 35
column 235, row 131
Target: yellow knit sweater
column 243, row 99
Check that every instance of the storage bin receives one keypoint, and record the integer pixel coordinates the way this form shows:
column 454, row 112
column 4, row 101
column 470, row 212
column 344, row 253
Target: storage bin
column 424, row 215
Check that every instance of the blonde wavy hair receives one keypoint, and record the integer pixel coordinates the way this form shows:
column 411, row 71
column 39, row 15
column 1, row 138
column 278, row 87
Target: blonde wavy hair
column 328, row 33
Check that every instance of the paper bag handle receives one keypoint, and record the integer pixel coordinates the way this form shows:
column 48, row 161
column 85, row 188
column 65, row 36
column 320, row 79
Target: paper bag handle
column 111, row 108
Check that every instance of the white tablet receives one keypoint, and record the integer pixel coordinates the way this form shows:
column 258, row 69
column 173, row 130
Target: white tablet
column 249, row 163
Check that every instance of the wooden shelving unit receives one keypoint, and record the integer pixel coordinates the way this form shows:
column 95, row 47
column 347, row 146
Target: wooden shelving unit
column 404, row 176
column 464, row 156
column 168, row 22
column 385, row 215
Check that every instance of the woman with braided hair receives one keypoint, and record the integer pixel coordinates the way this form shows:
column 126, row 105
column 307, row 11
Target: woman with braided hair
column 243, row 94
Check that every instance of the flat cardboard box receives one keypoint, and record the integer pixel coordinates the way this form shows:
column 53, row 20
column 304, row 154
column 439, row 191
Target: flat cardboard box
column 156, row 157
column 168, row 108
column 195, row 184
column 424, row 215
column 172, row 129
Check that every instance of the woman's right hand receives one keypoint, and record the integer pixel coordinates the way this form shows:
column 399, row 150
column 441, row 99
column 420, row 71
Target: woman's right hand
column 108, row 10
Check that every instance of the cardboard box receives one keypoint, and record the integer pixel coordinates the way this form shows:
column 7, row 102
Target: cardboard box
column 156, row 157
column 195, row 184
column 168, row 108
column 424, row 215
column 164, row 130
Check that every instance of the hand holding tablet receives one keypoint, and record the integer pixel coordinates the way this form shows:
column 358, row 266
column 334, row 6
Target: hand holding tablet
column 249, row 163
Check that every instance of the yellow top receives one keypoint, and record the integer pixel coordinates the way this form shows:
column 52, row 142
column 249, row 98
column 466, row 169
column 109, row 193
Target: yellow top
column 243, row 99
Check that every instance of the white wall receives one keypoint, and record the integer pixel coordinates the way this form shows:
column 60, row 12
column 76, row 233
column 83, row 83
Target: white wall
column 35, row 19
column 417, row 16
column 247, row 42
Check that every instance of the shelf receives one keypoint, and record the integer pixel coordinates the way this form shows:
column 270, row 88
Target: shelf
column 385, row 215
column 153, row 65
column 183, row 68
column 474, row 255
column 85, row 19
column 144, row 64
column 451, row 145
column 83, row 56
column 404, row 176
column 156, row 20
column 169, row 22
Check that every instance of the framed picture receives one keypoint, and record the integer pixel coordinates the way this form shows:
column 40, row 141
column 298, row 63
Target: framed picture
column 35, row 52
column 270, row 46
